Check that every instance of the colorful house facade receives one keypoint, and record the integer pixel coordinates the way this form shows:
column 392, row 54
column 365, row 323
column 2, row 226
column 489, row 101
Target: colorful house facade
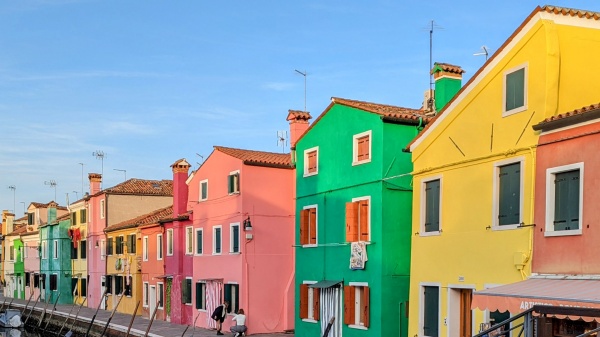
column 475, row 164
column 353, row 229
column 79, row 250
column 14, row 265
column 241, row 238
column 31, row 254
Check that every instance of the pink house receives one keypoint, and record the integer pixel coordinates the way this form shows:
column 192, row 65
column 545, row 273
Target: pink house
column 241, row 238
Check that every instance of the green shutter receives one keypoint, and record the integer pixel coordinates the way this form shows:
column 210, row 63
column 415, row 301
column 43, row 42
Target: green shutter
column 218, row 240
column 228, row 296
column 83, row 216
column 431, row 311
column 432, row 206
column 515, row 89
column 198, row 295
column 230, row 183
column 204, row 190
column 509, row 194
column 199, row 242
column 236, row 239
column 566, row 200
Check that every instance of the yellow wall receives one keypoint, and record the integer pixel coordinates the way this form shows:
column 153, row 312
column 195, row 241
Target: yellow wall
column 466, row 254
column 128, row 303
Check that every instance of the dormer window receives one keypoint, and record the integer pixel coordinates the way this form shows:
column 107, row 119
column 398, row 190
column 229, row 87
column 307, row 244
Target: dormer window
column 233, row 182
column 30, row 218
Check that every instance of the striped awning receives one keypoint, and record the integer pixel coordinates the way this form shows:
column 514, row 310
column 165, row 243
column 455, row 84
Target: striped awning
column 520, row 296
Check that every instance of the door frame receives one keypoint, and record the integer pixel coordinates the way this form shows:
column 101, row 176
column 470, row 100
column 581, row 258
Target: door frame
column 453, row 308
column 422, row 286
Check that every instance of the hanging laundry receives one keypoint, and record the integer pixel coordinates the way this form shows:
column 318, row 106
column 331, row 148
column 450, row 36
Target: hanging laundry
column 358, row 255
column 75, row 236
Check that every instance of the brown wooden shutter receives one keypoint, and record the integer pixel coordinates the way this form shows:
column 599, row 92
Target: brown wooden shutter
column 304, row 218
column 348, row 305
column 312, row 226
column 312, row 161
column 363, row 226
column 365, row 306
column 316, row 309
column 366, row 147
column 351, row 221
column 303, row 301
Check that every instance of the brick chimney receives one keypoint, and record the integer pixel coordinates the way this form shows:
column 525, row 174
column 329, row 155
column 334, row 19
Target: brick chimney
column 52, row 211
column 180, row 187
column 298, row 124
column 448, row 80
column 95, row 182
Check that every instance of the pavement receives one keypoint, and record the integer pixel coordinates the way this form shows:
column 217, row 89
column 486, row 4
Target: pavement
column 120, row 322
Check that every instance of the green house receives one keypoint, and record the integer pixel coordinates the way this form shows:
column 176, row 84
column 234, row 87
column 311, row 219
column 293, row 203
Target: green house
column 353, row 220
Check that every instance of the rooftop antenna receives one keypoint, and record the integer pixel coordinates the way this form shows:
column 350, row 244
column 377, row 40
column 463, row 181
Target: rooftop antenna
column 52, row 184
column 76, row 195
column 81, row 177
column 432, row 26
column 100, row 155
column 201, row 159
column 23, row 202
column 14, row 189
column 282, row 140
column 303, row 74
column 485, row 52
column 124, row 171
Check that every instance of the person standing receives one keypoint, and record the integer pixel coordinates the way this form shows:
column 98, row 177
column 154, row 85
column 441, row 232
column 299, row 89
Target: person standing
column 219, row 316
column 240, row 323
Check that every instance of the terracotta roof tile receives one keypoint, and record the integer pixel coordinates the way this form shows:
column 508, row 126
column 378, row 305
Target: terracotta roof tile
column 148, row 218
column 18, row 231
column 23, row 218
column 383, row 109
column 447, row 67
column 141, row 187
column 571, row 115
column 572, row 12
column 258, row 158
column 298, row 115
column 40, row 205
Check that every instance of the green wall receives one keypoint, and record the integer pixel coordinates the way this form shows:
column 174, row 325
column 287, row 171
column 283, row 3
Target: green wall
column 19, row 269
column 59, row 265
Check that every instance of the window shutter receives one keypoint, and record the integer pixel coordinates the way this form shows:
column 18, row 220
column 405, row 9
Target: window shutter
column 218, row 240
column 351, row 221
column 432, row 206
column 304, row 301
column 199, row 242
column 365, row 306
column 228, row 296
column 560, row 202
column 74, row 218
column 316, row 302
column 184, row 290
column 515, row 89
column 573, row 198
column 364, row 220
column 304, row 219
column 312, row 161
column 509, row 194
column 230, row 184
column 312, row 226
column 129, row 244
column 349, row 305
column 236, row 239
column 367, row 146
column 204, row 190
column 360, row 149
column 82, row 216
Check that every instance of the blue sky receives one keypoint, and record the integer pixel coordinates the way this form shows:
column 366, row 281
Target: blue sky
column 149, row 82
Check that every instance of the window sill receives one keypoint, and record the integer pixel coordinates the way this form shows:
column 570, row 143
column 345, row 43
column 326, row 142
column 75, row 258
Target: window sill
column 360, row 327
column 309, row 320
column 504, row 227
column 199, row 254
column 312, row 245
column 571, row 232
column 355, row 163
column 202, row 310
column 306, row 174
column 436, row 233
column 234, row 193
column 514, row 111
column 202, row 200
column 234, row 253
column 216, row 253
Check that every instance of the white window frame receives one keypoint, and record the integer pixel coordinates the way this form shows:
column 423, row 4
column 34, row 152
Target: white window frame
column 191, row 291
column 170, row 242
column 205, row 181
column 310, row 301
column 159, row 249
column 102, row 209
column 102, row 249
column 145, row 248
column 55, row 249
column 44, row 250
column 306, row 152
column 355, row 138
column 25, row 254
column 239, row 187
column 358, row 304
column 231, row 238
column 12, row 255
column 203, row 297
column 368, row 197
column 214, row 240
column 123, row 243
column 196, row 242
column 316, row 244
column 145, row 288
column 422, row 304
column 423, row 207
column 160, row 289
column 550, row 195
column 189, row 240
column 496, row 193
column 505, row 75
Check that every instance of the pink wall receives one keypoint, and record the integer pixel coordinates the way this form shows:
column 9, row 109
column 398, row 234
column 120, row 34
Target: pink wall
column 575, row 254
column 180, row 266
column 95, row 259
column 31, row 262
column 153, row 267
column 264, row 269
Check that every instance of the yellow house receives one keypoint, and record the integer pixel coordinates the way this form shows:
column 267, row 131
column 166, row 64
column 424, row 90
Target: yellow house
column 79, row 249
column 474, row 168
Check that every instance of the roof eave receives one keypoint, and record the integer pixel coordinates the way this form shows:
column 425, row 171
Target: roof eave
column 567, row 121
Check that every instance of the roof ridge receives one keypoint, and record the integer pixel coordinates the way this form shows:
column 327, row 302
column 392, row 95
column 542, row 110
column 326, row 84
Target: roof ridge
column 239, row 149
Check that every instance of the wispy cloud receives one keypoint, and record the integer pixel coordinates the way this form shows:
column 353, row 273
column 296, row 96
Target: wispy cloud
column 278, row 86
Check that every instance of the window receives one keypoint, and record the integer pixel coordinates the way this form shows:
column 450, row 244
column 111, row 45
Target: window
column 311, row 161
column 118, row 285
column 27, row 279
column 508, row 194
column 83, row 249
column 74, row 282
column 233, row 182
column 145, row 294
column 430, row 207
column 128, row 286
column 103, row 249
column 199, row 241
column 216, row 240
column 12, row 252
column 131, row 243
column 232, row 295
column 189, row 240
column 430, row 300
column 357, row 220
column 161, row 292
column 53, row 282
column 308, row 225
column 44, row 249
column 108, row 284
column 74, row 218
column 515, row 90
column 102, row 209
column 234, row 238
column 55, row 249
column 109, row 246
column 83, row 216
column 159, row 247
column 564, row 195
column 36, row 280
column 74, row 254
column 201, row 295
column 83, row 287
column 30, row 218
column 361, row 148
column 203, row 190
column 186, row 291
column 309, row 301
column 119, row 245
column 169, row 242
column 145, row 248
column 356, row 304
column 25, row 249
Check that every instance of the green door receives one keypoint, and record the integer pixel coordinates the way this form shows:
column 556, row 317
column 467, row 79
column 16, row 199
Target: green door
column 431, row 300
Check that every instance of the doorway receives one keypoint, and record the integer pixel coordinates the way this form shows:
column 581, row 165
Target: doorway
column 102, row 289
column 152, row 300
column 460, row 315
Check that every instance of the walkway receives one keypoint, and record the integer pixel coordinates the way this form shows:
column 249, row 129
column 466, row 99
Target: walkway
column 120, row 321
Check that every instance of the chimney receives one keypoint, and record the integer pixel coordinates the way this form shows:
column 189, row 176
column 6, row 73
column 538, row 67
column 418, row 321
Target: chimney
column 7, row 222
column 180, row 187
column 52, row 211
column 298, row 124
column 95, row 182
column 448, row 80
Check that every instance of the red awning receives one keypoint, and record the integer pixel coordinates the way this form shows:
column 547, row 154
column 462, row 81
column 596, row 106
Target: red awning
column 520, row 296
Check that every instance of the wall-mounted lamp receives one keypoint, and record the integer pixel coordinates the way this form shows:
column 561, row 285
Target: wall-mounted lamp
column 247, row 224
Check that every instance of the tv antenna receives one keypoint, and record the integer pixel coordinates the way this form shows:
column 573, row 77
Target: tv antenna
column 433, row 26
column 100, row 155
column 124, row 172
column 201, row 159
column 52, row 184
column 303, row 74
column 76, row 195
column 484, row 52
column 282, row 140
column 14, row 189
